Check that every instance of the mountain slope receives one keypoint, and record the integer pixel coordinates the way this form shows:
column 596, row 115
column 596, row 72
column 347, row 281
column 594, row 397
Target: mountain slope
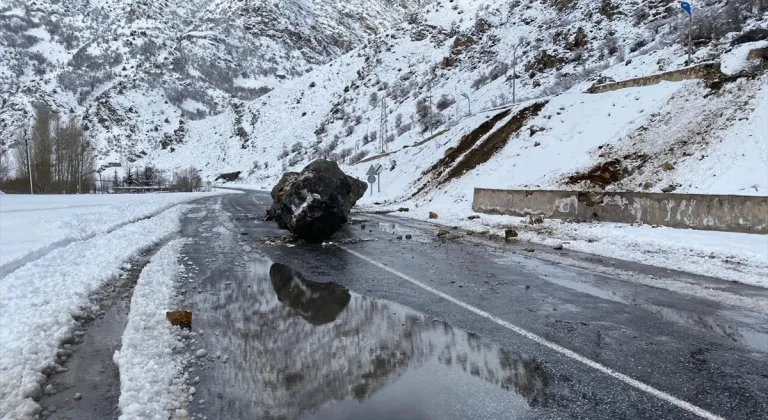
column 466, row 47
column 126, row 68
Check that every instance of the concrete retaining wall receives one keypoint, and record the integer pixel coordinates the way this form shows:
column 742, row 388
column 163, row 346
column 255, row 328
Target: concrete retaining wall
column 700, row 71
column 733, row 213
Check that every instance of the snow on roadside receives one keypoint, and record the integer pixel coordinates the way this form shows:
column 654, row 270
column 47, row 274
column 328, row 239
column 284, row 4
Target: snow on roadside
column 31, row 225
column 150, row 371
column 739, row 257
column 40, row 301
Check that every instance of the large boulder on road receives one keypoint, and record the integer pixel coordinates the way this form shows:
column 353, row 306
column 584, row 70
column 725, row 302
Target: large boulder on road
column 315, row 203
column 286, row 180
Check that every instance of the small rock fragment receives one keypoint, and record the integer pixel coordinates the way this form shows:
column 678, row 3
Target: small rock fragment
column 181, row 319
column 399, row 237
column 558, row 247
column 78, row 396
column 192, row 390
column 668, row 189
column 529, row 250
column 473, row 217
column 362, row 227
column 509, row 234
column 201, row 353
column 443, row 233
column 408, row 236
column 403, row 209
column 432, row 215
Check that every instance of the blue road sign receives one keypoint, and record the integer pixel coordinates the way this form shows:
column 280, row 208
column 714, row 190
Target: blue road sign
column 686, row 6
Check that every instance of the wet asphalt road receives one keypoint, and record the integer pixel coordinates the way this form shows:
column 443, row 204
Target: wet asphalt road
column 315, row 332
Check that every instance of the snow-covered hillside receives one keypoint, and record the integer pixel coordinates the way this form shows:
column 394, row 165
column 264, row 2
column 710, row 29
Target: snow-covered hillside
column 684, row 134
column 444, row 70
column 135, row 71
column 700, row 136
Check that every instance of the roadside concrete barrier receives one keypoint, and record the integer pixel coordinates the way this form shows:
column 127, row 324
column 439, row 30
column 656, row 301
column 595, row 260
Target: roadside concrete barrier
column 699, row 71
column 730, row 213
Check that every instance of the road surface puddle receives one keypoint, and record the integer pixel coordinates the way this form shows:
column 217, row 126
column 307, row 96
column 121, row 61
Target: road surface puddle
column 286, row 347
column 741, row 327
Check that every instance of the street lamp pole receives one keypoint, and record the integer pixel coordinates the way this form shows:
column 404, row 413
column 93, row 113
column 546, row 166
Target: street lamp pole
column 469, row 103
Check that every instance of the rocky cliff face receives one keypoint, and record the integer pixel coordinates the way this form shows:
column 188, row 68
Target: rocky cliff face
column 136, row 71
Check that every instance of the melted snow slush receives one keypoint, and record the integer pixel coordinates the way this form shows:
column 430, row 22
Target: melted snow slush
column 292, row 348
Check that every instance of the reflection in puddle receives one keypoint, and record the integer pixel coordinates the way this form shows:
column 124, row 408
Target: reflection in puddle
column 304, row 349
column 318, row 303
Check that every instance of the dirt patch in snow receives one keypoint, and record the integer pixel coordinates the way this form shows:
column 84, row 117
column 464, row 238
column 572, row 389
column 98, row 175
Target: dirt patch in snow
column 469, row 154
column 608, row 173
column 465, row 144
column 493, row 143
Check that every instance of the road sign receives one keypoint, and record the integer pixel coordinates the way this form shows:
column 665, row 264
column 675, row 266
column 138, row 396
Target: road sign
column 371, row 171
column 378, row 169
column 686, row 6
column 371, row 179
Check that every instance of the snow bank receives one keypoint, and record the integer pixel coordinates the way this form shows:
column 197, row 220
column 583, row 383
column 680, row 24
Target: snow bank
column 150, row 372
column 739, row 257
column 39, row 300
column 32, row 225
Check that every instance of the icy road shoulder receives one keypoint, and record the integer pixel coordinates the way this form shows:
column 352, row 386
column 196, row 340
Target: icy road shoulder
column 39, row 303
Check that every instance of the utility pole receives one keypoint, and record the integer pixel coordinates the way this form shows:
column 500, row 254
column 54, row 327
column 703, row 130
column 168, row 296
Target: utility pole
column 429, row 114
column 29, row 162
column 514, row 72
column 383, row 126
column 429, row 87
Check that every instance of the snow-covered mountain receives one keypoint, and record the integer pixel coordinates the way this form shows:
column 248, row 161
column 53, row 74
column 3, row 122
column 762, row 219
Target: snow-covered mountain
column 135, row 70
column 188, row 92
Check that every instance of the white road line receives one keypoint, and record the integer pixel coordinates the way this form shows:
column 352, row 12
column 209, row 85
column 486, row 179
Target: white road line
column 546, row 343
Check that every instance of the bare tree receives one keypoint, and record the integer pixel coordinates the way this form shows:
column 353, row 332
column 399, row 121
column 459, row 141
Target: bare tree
column 187, row 180
column 42, row 150
column 5, row 166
